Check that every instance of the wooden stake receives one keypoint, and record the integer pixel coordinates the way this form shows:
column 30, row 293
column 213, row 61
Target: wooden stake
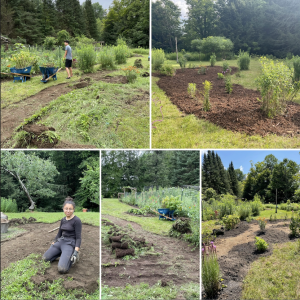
column 53, row 229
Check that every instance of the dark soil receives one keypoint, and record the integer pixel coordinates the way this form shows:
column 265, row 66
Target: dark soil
column 236, row 251
column 36, row 239
column 176, row 262
column 238, row 112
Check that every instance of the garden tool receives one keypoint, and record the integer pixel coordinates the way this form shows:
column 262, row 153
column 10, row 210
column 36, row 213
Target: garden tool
column 53, row 229
column 16, row 74
column 75, row 257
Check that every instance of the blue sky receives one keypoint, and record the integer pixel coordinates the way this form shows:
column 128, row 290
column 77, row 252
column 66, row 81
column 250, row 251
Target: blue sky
column 241, row 158
column 104, row 3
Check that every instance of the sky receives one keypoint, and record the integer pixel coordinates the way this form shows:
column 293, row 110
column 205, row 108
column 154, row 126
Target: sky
column 182, row 6
column 241, row 158
column 104, row 3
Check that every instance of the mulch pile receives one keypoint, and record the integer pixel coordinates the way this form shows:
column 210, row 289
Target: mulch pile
column 238, row 112
column 18, row 221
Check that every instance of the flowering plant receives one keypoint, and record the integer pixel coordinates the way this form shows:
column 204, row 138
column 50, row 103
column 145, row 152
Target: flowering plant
column 131, row 73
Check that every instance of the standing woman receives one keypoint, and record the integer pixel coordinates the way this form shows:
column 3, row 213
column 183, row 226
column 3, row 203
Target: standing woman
column 67, row 242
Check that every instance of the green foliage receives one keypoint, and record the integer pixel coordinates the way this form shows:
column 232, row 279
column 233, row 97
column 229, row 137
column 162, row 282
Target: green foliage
column 171, row 202
column 207, row 87
column 261, row 244
column 262, row 222
column 226, row 67
column 131, row 73
column 296, row 64
column 244, row 60
column 86, row 58
column 220, row 76
column 120, row 53
column 192, row 89
column 202, row 70
column 256, row 206
column 8, row 205
column 167, row 70
column 158, row 59
column 62, row 36
column 245, row 211
column 213, row 60
column 182, row 61
column 228, row 84
column 210, row 193
column 276, row 87
column 23, row 59
column 49, row 42
column 106, row 58
column 230, row 221
column 295, row 225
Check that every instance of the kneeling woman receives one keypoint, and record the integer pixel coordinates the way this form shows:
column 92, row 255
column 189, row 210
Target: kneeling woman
column 68, row 239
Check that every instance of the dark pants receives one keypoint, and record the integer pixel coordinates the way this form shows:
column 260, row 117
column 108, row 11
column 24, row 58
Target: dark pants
column 64, row 248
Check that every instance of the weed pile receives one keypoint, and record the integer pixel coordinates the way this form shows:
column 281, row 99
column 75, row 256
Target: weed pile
column 18, row 221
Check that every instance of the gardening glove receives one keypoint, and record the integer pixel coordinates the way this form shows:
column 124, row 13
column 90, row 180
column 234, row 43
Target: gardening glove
column 75, row 257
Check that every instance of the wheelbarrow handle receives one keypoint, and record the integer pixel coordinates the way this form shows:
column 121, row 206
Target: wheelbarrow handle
column 161, row 214
column 16, row 74
column 53, row 74
column 53, row 229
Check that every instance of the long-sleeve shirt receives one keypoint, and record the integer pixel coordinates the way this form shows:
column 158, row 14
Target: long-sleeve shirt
column 70, row 229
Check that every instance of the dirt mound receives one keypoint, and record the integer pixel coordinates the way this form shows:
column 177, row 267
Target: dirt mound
column 145, row 74
column 81, row 85
column 238, row 112
column 17, row 221
column 182, row 225
column 37, row 129
column 37, row 240
column 120, row 79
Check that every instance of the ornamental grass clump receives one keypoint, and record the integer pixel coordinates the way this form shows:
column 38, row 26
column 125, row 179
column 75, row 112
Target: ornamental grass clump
column 277, row 87
column 192, row 89
column 261, row 244
column 207, row 87
column 210, row 270
column 158, row 58
column 244, row 60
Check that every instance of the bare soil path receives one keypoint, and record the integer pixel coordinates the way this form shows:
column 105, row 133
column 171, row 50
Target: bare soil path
column 36, row 239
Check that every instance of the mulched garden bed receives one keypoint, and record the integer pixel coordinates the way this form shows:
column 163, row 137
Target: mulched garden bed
column 238, row 112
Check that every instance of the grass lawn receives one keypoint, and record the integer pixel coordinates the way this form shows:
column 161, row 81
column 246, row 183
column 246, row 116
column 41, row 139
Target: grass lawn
column 276, row 276
column 16, row 283
column 179, row 131
column 13, row 92
column 91, row 218
column 115, row 208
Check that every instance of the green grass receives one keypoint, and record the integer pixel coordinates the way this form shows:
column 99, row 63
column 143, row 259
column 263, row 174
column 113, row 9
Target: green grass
column 144, row 291
column 276, row 276
column 15, row 92
column 12, row 232
column 16, row 283
column 280, row 214
column 91, row 218
column 209, row 225
column 115, row 208
column 178, row 131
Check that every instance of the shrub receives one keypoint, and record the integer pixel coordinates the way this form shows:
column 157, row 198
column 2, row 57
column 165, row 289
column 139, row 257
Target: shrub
column 261, row 244
column 226, row 66
column 220, row 76
column 158, row 58
column 228, row 84
column 106, row 58
column 62, row 36
column 202, row 70
column 230, row 221
column 192, row 89
column 182, row 61
column 276, row 87
column 210, row 193
column 244, row 60
column 210, row 270
column 131, row 73
column 213, row 60
column 120, row 54
column 262, row 222
column 23, row 59
column 167, row 70
column 245, row 211
column 138, row 63
column 256, row 206
column 207, row 88
column 172, row 202
column 296, row 63
column 86, row 58
column 8, row 205
column 295, row 225
column 49, row 42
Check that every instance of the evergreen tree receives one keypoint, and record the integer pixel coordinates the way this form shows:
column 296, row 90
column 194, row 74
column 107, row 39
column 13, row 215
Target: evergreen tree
column 91, row 20
column 233, row 180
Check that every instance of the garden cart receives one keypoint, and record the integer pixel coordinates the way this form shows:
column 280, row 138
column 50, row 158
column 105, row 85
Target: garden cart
column 20, row 74
column 49, row 73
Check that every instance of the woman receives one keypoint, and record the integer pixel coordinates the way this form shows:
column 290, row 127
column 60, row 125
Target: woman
column 67, row 242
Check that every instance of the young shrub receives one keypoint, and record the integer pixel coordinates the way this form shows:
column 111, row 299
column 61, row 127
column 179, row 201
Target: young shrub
column 106, row 58
column 213, row 60
column 230, row 221
column 226, row 66
column 220, row 76
column 158, row 58
column 244, row 60
column 256, row 206
column 167, row 70
column 120, row 53
column 202, row 70
column 276, row 87
column 207, row 88
column 86, row 58
column 296, row 63
column 261, row 244
column 210, row 271
column 295, row 225
column 182, row 61
column 192, row 89
column 228, row 84
column 262, row 222
column 131, row 73
column 245, row 211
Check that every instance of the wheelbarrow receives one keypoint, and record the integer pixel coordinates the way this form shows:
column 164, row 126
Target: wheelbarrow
column 21, row 74
column 49, row 73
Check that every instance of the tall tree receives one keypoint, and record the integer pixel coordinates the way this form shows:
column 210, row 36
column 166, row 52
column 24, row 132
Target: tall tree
column 91, row 20
column 233, row 180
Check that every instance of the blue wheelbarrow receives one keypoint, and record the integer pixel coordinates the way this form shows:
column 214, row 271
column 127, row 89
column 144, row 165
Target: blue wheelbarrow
column 49, row 73
column 21, row 74
column 165, row 213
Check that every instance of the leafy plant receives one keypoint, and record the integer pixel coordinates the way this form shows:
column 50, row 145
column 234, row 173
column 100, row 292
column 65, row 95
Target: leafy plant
column 261, row 244
column 172, row 203
column 86, row 58
column 207, row 87
column 213, row 60
column 106, row 58
column 228, row 84
column 192, row 89
column 262, row 222
column 230, row 221
column 202, row 70
column 131, row 73
column 23, row 59
column 49, row 42
column 226, row 66
column 296, row 64
column 158, row 58
column 120, row 53
column 167, row 70
column 8, row 205
column 182, row 61
column 295, row 225
column 220, row 76
column 245, row 211
column 210, row 270
column 244, row 60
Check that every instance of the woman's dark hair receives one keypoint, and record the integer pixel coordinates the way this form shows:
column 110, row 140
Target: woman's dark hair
column 69, row 200
column 66, row 41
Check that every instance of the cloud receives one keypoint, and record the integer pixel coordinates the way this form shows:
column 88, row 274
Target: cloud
column 204, row 152
column 241, row 168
